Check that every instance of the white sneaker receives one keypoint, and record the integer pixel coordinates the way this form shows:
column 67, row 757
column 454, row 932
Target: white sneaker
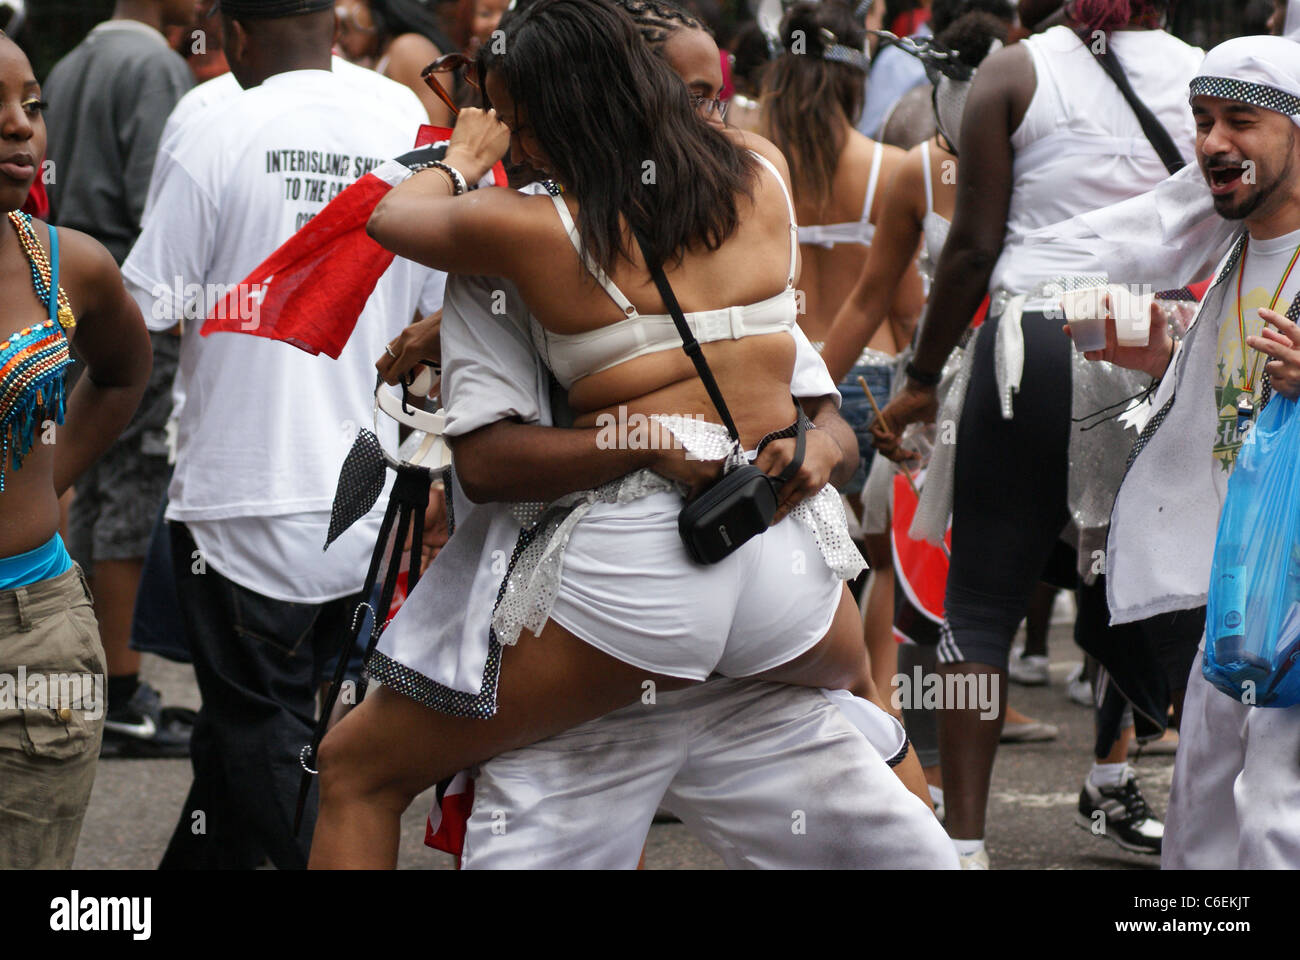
column 1078, row 688
column 979, row 860
column 1029, row 671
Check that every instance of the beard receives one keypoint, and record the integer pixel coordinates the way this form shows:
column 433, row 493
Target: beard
column 1231, row 209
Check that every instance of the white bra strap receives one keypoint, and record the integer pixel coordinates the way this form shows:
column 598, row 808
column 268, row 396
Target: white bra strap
column 789, row 205
column 929, row 187
column 571, row 228
column 873, row 181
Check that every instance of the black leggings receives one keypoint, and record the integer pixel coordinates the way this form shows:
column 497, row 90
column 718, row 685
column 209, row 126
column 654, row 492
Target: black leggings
column 1009, row 494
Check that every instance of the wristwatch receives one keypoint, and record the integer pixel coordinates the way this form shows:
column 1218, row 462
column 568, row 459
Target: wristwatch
column 921, row 377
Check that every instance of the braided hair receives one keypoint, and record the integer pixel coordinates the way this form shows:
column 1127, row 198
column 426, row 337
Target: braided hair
column 657, row 20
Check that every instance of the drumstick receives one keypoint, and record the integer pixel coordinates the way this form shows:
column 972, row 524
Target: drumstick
column 862, row 382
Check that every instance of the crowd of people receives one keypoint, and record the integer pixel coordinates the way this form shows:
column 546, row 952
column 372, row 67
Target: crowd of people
column 829, row 266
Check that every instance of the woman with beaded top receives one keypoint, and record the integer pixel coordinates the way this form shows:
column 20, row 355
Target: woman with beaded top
column 59, row 286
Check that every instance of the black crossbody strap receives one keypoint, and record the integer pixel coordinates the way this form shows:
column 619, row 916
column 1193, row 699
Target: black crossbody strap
column 689, row 343
column 1152, row 127
column 801, row 440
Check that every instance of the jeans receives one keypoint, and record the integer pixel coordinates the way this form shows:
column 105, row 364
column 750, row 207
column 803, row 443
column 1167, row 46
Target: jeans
column 856, row 409
column 259, row 664
column 156, row 625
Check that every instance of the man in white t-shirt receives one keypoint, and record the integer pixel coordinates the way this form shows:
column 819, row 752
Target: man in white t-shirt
column 264, row 427
column 1235, row 800
column 156, row 623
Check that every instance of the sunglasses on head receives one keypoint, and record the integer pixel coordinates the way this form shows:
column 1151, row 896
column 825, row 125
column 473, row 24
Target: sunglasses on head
column 450, row 63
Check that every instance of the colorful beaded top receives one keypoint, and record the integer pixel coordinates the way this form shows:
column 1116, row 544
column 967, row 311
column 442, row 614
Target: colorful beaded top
column 33, row 360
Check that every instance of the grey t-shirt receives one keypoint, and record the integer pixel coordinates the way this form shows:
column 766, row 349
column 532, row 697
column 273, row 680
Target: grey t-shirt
column 109, row 98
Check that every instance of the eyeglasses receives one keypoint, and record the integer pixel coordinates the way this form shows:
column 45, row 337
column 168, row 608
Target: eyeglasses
column 347, row 18
column 708, row 106
column 450, row 63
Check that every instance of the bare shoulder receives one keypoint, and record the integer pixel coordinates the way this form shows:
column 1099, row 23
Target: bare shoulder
column 1008, row 74
column 411, row 52
column 911, row 172
column 763, row 147
column 87, row 271
column 891, row 159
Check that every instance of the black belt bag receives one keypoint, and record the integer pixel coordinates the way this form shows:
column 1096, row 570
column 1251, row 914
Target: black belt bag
column 742, row 503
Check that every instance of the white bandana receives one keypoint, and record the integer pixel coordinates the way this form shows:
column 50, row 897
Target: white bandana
column 1262, row 71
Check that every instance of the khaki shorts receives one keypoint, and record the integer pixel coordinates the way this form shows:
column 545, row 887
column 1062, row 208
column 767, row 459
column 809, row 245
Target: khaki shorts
column 52, row 703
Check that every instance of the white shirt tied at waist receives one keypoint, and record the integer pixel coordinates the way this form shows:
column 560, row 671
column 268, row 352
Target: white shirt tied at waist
column 1009, row 348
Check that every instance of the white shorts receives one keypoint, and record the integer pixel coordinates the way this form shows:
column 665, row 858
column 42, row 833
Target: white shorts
column 767, row 775
column 629, row 589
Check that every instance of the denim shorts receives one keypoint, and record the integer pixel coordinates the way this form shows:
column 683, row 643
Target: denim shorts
column 856, row 409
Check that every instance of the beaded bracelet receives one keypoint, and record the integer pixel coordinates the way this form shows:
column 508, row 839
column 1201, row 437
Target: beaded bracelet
column 458, row 184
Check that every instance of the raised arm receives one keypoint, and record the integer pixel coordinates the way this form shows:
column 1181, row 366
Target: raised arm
column 485, row 231
column 891, row 253
column 998, row 100
column 111, row 339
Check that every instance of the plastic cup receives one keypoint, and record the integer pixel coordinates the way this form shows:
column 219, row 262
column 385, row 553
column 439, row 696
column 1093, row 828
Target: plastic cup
column 1132, row 316
column 1086, row 312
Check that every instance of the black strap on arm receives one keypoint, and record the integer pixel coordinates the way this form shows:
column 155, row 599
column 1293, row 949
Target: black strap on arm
column 689, row 343
column 1152, row 127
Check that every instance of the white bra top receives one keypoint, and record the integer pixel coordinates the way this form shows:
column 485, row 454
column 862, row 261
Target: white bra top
column 856, row 231
column 934, row 227
column 572, row 356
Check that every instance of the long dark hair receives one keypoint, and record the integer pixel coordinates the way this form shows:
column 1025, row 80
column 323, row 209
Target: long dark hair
column 810, row 102
column 619, row 130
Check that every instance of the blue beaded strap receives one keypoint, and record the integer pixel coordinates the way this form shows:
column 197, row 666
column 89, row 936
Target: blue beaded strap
column 52, row 297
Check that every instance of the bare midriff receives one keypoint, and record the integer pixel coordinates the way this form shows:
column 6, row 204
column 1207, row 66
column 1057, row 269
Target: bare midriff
column 28, row 504
column 753, row 375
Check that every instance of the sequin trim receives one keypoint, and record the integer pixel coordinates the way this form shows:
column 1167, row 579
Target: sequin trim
column 442, row 698
column 1256, row 94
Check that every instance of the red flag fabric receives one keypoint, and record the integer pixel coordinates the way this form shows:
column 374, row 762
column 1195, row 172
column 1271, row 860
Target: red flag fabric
column 445, row 828
column 312, row 289
column 921, row 572
column 38, row 200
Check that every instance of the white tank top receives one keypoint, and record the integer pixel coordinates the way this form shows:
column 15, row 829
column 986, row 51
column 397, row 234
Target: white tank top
column 1080, row 145
column 934, row 228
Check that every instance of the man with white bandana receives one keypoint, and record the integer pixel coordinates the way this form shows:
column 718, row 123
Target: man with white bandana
column 1236, row 790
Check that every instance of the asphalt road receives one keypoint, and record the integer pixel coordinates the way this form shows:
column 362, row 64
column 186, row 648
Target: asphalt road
column 1030, row 823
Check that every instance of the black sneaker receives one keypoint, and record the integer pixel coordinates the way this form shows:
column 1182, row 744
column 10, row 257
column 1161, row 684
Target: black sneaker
column 1120, row 814
column 143, row 727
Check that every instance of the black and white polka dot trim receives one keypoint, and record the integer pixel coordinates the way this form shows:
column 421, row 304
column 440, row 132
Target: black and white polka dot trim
column 1256, row 94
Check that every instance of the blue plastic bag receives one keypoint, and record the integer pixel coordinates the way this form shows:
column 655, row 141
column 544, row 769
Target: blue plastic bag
column 1252, row 623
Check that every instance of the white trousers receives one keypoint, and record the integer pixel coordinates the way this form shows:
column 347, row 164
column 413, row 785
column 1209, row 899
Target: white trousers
column 767, row 775
column 1235, row 802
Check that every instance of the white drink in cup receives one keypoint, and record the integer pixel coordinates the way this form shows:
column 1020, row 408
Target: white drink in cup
column 1086, row 312
column 1132, row 311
